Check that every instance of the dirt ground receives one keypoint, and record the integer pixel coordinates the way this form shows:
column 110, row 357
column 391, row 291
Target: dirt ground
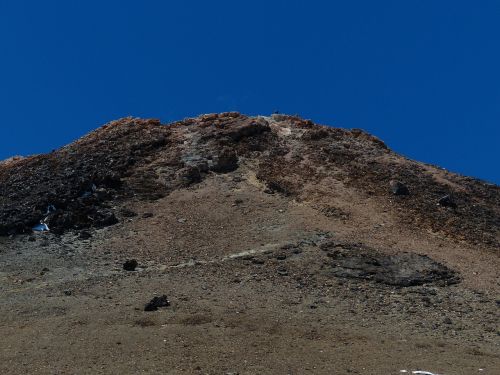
column 251, row 291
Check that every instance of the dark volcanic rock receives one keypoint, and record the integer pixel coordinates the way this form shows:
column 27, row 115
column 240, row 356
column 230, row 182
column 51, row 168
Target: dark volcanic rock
column 398, row 188
column 156, row 303
column 130, row 265
column 403, row 269
column 77, row 179
column 447, row 201
column 79, row 217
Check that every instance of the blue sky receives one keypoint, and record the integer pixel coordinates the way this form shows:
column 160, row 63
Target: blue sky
column 424, row 76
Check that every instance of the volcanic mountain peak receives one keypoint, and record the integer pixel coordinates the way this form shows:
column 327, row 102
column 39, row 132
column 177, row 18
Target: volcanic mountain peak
column 255, row 245
column 133, row 158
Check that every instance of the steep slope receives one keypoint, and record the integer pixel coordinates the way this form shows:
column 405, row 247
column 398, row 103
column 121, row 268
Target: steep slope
column 297, row 158
column 283, row 247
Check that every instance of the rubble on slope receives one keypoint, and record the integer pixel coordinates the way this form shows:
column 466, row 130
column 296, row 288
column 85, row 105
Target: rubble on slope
column 133, row 159
column 126, row 159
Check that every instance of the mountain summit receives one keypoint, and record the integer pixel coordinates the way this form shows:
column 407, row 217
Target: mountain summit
column 234, row 244
column 319, row 166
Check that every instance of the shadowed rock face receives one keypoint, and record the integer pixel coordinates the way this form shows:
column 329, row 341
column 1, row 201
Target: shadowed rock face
column 143, row 159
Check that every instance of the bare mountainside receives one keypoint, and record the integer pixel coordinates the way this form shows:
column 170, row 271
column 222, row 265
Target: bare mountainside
column 282, row 247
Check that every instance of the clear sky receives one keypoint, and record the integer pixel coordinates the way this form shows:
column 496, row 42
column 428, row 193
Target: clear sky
column 424, row 76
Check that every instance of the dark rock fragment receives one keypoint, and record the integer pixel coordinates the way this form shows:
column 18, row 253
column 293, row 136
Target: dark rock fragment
column 447, row 201
column 398, row 188
column 156, row 303
column 78, row 217
column 130, row 265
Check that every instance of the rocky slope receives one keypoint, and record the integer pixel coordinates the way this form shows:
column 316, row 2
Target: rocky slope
column 290, row 156
column 252, row 245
